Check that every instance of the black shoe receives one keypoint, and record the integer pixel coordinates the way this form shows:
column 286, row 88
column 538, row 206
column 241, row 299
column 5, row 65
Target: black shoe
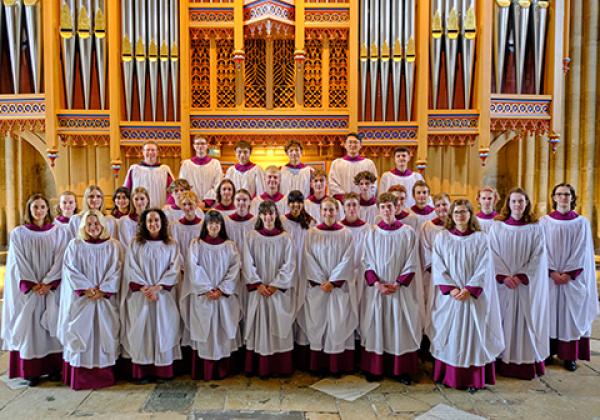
column 55, row 377
column 143, row 381
column 373, row 378
column 549, row 361
column 570, row 365
column 33, row 381
column 405, row 379
column 472, row 390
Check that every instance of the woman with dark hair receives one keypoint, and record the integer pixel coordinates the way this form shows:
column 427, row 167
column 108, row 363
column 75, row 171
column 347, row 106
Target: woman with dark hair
column 88, row 324
column 268, row 270
column 329, row 315
column 209, row 303
column 573, row 294
column 66, row 208
column 93, row 199
column 128, row 225
column 31, row 301
column 465, row 331
column 149, row 314
column 121, row 198
column 521, row 271
column 241, row 221
column 225, row 194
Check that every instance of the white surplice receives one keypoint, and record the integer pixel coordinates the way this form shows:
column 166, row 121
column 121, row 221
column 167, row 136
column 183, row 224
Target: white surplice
column 89, row 329
column 204, row 179
column 111, row 225
column 391, row 324
column 388, row 179
column 251, row 180
column 184, row 235
column 524, row 310
column 295, row 179
column 155, row 179
column 426, row 234
column 268, row 322
column 468, row 333
column 329, row 319
column 342, row 173
column 211, row 325
column 127, row 230
column 150, row 331
column 28, row 319
column 573, row 306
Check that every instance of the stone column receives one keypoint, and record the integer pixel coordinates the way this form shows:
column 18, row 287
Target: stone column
column 12, row 218
column 544, row 169
column 529, row 181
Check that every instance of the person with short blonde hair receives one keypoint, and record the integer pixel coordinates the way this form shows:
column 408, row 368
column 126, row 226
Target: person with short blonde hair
column 272, row 191
column 93, row 199
column 150, row 174
column 203, row 172
column 88, row 323
column 31, row 299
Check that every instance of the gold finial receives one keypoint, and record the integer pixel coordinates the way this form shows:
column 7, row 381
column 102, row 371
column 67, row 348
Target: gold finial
column 126, row 49
column 164, row 51
column 397, row 50
column 436, row 25
column 374, row 52
column 99, row 24
column 364, row 53
column 140, row 51
column 411, row 53
column 83, row 23
column 66, row 22
column 503, row 3
column 174, row 52
column 470, row 24
column 452, row 24
column 153, row 50
column 524, row 4
column 385, row 51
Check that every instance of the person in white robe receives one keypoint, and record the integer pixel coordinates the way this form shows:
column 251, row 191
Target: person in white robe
column 297, row 223
column 202, row 172
column 121, row 202
column 487, row 197
column 422, row 208
column 66, row 208
column 127, row 225
column 295, row 175
column 329, row 315
column 31, row 300
column 209, row 301
column 272, row 192
column 344, row 169
column 93, row 199
column 150, row 319
column 246, row 174
column 406, row 217
column 173, row 209
column 188, row 227
column 88, row 323
column 401, row 175
column 365, row 181
column 390, row 318
column 150, row 174
column 312, row 203
column 426, row 235
column 521, row 268
column 268, row 271
column 466, row 332
column 225, row 193
column 239, row 223
column 573, row 293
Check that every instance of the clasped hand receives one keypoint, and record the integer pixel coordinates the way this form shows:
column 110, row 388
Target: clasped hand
column 386, row 289
column 560, row 278
column 94, row 293
column 460, row 294
column 266, row 291
column 151, row 292
column 41, row 289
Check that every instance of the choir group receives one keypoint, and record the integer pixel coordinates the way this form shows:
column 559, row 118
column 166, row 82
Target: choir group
column 267, row 271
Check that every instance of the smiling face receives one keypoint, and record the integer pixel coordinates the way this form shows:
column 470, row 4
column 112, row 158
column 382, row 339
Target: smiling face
column 351, row 207
column 295, row 208
column 319, row 185
column 178, row 193
column 401, row 160
column 352, row 145
column 95, row 200
column 226, row 193
column 213, row 228
column 150, row 153
column 201, row 147
column 365, row 188
column 294, row 154
column 387, row 211
column 189, row 208
column 242, row 203
column 67, row 205
column 268, row 219
column 460, row 217
column 122, row 202
column 39, row 210
column 93, row 227
column 153, row 224
column 487, row 201
column 421, row 196
column 441, row 208
column 562, row 197
column 242, row 155
column 329, row 213
column 517, row 203
column 140, row 202
column 272, row 181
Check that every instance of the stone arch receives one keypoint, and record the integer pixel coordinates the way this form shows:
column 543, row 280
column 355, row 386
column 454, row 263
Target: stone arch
column 500, row 171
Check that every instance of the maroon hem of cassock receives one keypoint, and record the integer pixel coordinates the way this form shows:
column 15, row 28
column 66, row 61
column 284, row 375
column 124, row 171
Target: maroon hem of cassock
column 79, row 378
column 389, row 364
column 128, row 369
column 34, row 368
column 526, row 371
column 209, row 370
column 275, row 364
column 462, row 378
column 571, row 350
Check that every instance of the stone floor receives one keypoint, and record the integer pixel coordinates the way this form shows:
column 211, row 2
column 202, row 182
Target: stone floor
column 559, row 394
